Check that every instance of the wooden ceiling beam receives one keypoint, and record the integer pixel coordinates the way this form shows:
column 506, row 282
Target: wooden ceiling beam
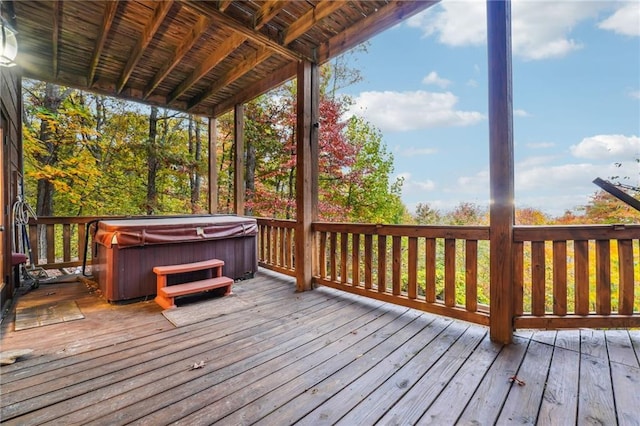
column 55, row 37
column 276, row 78
column 311, row 18
column 223, row 5
column 225, row 49
column 267, row 12
column 235, row 73
column 109, row 13
column 386, row 17
column 160, row 12
column 237, row 26
column 187, row 43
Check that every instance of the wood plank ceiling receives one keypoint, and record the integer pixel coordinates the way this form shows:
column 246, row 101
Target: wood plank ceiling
column 197, row 56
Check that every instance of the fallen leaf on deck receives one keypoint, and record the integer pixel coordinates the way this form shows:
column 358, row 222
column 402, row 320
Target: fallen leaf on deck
column 197, row 365
column 518, row 381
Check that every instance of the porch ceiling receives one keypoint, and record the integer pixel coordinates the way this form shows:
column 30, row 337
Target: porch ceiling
column 197, row 56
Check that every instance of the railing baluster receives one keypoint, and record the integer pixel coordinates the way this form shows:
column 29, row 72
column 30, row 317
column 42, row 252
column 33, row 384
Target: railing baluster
column 82, row 236
column 518, row 277
column 626, row 291
column 333, row 242
column 34, row 244
column 66, row 242
column 603, row 277
column 581, row 256
column 430, row 270
column 471, row 275
column 397, row 264
column 560, row 277
column 51, row 243
column 323, row 254
column 262, row 241
column 344, row 239
column 355, row 259
column 449, row 272
column 382, row 263
column 368, row 261
column 269, row 257
column 412, row 291
column 538, row 271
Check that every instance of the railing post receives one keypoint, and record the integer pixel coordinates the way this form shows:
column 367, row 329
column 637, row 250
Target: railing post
column 306, row 171
column 501, row 169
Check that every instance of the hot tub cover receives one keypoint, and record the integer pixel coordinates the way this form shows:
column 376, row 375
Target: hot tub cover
column 141, row 232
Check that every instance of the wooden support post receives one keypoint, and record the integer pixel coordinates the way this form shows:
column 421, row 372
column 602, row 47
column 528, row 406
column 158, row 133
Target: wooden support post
column 501, row 169
column 213, row 166
column 307, row 127
column 238, row 137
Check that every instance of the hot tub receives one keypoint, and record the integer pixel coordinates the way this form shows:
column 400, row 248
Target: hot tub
column 126, row 250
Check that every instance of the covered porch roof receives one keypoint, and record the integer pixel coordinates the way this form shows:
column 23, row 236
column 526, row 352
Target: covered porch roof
column 202, row 57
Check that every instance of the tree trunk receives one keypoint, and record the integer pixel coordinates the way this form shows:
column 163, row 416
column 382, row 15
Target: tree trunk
column 250, row 175
column 195, row 150
column 52, row 101
column 153, row 163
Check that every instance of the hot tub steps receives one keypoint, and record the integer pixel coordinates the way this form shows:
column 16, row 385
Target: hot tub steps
column 166, row 294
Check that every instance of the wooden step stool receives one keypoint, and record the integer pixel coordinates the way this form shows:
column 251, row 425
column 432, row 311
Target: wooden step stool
column 166, row 294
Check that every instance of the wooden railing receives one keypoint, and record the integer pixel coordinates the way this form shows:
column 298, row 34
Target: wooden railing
column 564, row 276
column 577, row 276
column 275, row 245
column 59, row 242
column 431, row 268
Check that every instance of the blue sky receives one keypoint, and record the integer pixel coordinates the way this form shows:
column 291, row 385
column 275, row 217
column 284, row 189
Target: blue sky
column 576, row 85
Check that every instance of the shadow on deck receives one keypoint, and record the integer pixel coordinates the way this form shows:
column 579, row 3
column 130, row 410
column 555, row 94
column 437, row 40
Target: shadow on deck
column 271, row 356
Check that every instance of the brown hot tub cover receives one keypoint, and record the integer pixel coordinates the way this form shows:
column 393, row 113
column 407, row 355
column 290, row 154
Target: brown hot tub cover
column 142, row 232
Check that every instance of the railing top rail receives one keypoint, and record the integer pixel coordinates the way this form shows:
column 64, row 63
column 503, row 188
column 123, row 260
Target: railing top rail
column 576, row 232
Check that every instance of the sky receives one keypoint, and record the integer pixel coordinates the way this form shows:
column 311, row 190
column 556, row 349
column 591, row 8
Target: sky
column 576, row 100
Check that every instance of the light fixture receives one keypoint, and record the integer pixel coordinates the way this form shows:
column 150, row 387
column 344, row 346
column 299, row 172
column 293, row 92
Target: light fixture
column 8, row 44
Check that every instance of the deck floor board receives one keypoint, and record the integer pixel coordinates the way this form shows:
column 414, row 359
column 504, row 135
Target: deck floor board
column 314, row 358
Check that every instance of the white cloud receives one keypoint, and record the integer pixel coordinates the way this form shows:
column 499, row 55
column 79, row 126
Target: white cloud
column 635, row 94
column 414, row 152
column 540, row 29
column 521, row 113
column 472, row 83
column 435, row 79
column 618, row 147
column 625, row 20
column 404, row 111
column 550, row 178
column 411, row 187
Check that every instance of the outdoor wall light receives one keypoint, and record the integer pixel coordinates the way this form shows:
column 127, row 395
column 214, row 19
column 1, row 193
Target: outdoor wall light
column 8, row 44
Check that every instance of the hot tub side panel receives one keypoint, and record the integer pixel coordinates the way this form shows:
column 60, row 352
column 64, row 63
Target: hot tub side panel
column 127, row 273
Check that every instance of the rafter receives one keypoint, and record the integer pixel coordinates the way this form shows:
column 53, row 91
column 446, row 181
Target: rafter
column 187, row 43
column 55, row 37
column 238, row 71
column 160, row 12
column 267, row 12
column 276, row 78
column 223, row 5
column 223, row 50
column 237, row 26
column 309, row 19
column 109, row 13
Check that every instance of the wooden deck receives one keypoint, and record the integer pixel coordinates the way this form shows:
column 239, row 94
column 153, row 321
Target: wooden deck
column 320, row 357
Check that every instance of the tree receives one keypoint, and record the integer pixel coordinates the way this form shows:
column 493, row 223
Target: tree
column 467, row 214
column 605, row 208
column 57, row 123
column 426, row 215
